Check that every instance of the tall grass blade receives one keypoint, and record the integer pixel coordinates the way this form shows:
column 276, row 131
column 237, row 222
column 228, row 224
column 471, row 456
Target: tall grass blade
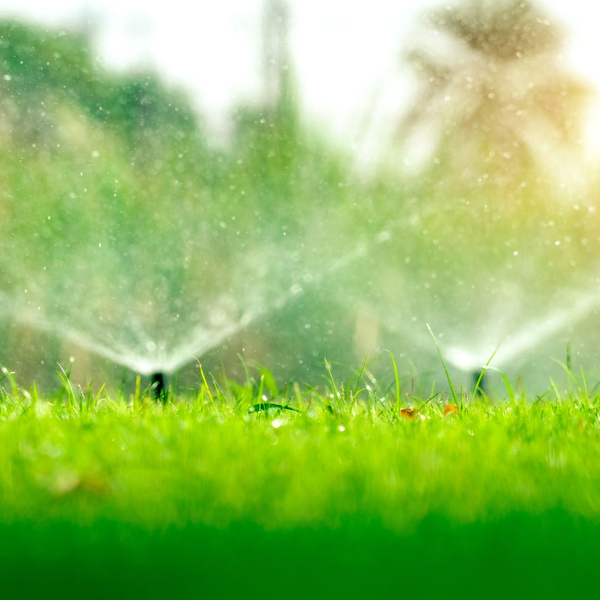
column 509, row 388
column 335, row 388
column 205, row 384
column 485, row 368
column 362, row 370
column 454, row 397
column 397, row 380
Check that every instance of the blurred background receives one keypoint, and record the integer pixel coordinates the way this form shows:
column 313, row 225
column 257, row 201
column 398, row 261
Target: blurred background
column 276, row 182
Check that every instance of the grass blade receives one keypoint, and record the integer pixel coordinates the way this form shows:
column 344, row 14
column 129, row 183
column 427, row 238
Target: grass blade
column 364, row 366
column 397, row 380
column 454, row 397
column 509, row 389
column 485, row 368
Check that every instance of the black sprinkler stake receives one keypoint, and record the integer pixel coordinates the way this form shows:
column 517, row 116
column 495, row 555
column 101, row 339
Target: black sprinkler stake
column 158, row 385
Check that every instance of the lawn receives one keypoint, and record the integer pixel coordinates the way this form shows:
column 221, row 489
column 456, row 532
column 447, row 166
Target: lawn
column 250, row 491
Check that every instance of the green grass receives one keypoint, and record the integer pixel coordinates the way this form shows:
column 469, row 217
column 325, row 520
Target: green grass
column 225, row 494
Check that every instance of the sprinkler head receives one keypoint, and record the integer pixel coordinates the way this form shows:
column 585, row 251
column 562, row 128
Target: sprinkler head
column 158, row 385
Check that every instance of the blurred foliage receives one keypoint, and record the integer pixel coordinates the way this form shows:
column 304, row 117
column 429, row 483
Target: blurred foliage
column 47, row 68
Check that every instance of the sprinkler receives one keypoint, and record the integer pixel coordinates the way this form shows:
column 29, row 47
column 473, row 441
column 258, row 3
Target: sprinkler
column 158, row 385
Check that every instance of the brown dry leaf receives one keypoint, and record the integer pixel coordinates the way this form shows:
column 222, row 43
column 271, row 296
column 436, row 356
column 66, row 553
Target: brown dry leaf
column 450, row 408
column 411, row 413
column 95, row 486
column 408, row 413
column 67, row 482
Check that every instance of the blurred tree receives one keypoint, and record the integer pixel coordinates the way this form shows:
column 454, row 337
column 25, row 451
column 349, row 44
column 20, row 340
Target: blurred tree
column 276, row 55
column 270, row 129
column 43, row 69
column 486, row 236
column 496, row 97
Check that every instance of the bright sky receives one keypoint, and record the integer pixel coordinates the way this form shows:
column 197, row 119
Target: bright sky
column 346, row 54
